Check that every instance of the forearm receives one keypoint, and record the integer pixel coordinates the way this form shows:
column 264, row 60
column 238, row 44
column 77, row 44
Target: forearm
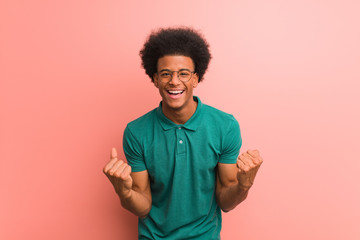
column 229, row 197
column 137, row 203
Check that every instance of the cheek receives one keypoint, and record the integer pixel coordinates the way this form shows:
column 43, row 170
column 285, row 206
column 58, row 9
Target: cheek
column 161, row 90
column 192, row 86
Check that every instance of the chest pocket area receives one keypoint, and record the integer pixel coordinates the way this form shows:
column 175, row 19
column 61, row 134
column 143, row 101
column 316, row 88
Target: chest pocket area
column 159, row 160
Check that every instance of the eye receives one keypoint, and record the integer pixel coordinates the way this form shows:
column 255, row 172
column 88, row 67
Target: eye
column 184, row 73
column 165, row 74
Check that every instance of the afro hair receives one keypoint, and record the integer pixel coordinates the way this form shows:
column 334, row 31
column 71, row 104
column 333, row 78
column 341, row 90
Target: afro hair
column 183, row 41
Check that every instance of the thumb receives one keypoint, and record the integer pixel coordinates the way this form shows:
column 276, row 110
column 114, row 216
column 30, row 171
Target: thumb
column 113, row 153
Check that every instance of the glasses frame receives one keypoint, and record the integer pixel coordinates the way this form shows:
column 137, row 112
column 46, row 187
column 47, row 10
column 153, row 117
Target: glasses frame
column 172, row 75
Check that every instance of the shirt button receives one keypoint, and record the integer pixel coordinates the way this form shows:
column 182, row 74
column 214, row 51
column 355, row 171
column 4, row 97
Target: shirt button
column 181, row 141
column 179, row 128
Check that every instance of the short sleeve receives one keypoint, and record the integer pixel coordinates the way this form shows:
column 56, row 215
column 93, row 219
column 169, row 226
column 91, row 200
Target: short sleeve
column 133, row 151
column 231, row 143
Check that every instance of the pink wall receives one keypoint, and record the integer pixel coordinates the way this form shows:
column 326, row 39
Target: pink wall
column 70, row 79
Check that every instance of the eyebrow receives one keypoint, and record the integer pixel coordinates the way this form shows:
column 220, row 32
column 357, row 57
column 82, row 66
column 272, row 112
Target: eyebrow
column 165, row 69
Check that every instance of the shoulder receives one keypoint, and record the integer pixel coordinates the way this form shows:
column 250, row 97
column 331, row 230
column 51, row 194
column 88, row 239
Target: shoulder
column 212, row 113
column 142, row 123
column 219, row 123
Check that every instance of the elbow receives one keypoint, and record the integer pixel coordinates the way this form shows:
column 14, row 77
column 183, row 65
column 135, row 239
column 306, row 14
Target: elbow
column 224, row 207
column 227, row 206
column 144, row 214
column 227, row 209
column 141, row 211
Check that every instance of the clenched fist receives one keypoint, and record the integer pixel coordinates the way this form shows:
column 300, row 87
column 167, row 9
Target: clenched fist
column 248, row 164
column 118, row 173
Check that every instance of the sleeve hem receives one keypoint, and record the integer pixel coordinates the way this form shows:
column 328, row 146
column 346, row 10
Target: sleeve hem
column 228, row 161
column 138, row 169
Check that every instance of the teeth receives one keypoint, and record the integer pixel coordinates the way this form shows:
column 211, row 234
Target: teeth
column 175, row 92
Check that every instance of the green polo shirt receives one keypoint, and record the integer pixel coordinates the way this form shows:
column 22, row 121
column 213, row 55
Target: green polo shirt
column 181, row 161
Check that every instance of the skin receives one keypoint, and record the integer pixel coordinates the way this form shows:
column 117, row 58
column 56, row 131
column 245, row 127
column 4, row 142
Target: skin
column 178, row 110
column 233, row 180
column 133, row 188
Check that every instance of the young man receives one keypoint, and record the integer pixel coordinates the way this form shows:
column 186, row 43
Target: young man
column 183, row 165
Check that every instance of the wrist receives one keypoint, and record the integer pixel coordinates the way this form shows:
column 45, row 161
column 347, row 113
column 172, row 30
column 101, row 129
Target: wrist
column 243, row 188
column 125, row 194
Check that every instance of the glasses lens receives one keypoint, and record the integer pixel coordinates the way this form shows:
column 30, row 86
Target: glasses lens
column 165, row 76
column 184, row 75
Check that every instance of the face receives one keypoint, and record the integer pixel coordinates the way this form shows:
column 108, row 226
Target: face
column 176, row 95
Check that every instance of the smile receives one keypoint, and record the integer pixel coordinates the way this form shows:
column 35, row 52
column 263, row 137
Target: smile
column 177, row 92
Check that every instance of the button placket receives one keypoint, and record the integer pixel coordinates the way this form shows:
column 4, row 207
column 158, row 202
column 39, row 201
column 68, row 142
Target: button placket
column 180, row 138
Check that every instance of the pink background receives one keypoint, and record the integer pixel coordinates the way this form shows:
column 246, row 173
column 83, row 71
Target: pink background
column 70, row 80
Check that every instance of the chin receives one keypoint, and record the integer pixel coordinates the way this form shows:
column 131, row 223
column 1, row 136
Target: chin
column 175, row 106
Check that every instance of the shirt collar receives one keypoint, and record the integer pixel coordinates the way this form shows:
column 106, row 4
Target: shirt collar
column 192, row 124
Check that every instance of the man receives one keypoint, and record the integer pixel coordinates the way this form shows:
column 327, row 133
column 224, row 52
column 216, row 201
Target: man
column 183, row 166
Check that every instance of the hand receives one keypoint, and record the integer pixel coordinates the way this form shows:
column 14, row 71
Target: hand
column 248, row 164
column 118, row 173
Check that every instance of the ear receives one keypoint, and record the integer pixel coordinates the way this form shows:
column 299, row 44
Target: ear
column 195, row 80
column 156, row 80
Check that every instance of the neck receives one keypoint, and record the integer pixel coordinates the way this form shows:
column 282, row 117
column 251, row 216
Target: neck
column 180, row 116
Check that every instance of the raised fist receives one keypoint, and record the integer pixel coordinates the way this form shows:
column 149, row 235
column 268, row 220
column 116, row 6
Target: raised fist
column 118, row 173
column 248, row 164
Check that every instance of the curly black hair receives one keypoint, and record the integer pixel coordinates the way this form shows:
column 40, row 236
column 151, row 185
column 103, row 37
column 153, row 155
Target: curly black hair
column 182, row 41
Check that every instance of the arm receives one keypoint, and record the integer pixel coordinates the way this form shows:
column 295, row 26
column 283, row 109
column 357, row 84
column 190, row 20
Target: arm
column 133, row 188
column 228, row 194
column 139, row 200
column 234, row 180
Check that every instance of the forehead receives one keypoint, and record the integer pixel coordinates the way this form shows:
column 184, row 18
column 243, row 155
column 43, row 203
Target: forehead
column 175, row 62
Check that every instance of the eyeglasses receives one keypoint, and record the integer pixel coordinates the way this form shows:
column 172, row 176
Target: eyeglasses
column 183, row 75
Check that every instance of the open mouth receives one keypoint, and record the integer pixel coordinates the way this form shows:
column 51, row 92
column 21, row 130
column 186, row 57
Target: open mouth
column 177, row 92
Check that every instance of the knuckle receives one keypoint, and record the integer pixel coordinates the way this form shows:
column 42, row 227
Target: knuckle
column 253, row 152
column 117, row 174
column 123, row 175
column 112, row 172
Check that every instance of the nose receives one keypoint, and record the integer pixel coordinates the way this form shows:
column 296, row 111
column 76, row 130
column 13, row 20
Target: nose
column 175, row 78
